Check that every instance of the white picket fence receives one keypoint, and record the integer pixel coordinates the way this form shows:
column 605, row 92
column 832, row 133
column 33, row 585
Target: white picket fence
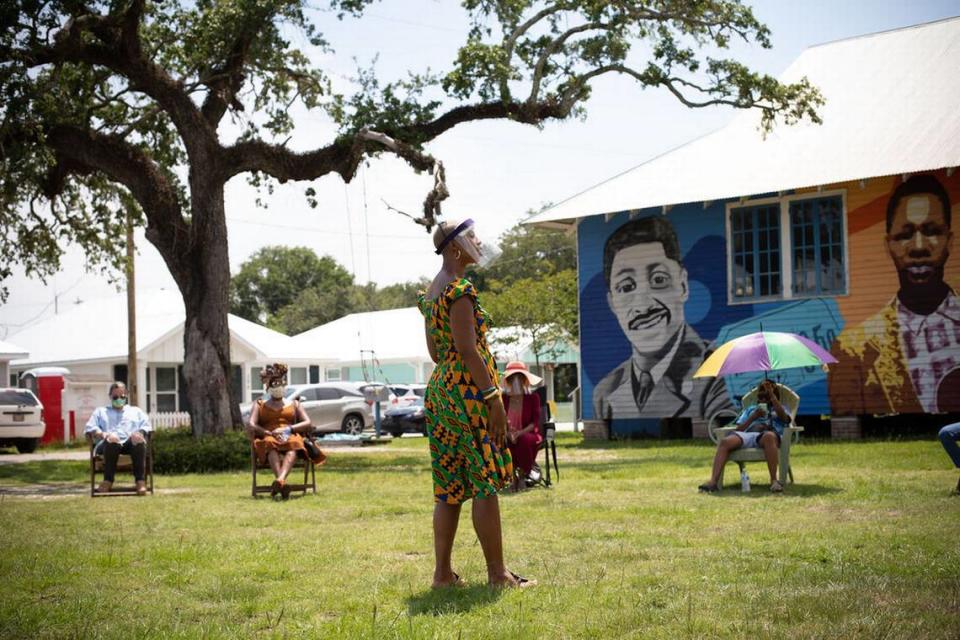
column 169, row 419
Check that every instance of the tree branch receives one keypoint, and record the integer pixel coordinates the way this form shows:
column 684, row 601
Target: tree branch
column 82, row 152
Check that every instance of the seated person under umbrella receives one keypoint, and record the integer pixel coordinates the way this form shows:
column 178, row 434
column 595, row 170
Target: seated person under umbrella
column 759, row 426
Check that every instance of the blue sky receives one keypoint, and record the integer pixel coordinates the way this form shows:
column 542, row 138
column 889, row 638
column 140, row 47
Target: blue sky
column 496, row 171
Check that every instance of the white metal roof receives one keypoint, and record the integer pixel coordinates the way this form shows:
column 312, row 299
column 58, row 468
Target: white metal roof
column 96, row 330
column 393, row 335
column 891, row 108
column 10, row 351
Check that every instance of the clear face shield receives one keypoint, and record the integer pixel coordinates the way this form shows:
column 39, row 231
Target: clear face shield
column 465, row 237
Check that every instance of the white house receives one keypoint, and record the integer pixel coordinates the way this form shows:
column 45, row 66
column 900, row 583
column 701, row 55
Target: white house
column 91, row 339
column 9, row 352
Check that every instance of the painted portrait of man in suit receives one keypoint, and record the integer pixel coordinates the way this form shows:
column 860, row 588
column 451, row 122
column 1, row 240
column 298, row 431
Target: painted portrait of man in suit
column 646, row 290
column 906, row 357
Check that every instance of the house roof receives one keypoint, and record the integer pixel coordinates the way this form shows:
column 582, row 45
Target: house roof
column 395, row 334
column 891, row 108
column 10, row 351
column 96, row 330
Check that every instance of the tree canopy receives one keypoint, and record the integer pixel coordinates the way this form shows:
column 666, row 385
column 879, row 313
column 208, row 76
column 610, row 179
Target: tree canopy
column 111, row 100
column 292, row 290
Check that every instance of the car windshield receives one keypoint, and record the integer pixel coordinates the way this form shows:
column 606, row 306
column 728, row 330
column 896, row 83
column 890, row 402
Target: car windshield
column 16, row 396
column 421, row 392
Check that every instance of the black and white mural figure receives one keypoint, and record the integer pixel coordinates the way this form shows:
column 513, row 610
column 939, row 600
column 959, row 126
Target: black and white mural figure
column 646, row 290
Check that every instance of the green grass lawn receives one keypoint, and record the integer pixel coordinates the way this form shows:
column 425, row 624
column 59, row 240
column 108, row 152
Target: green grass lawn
column 865, row 545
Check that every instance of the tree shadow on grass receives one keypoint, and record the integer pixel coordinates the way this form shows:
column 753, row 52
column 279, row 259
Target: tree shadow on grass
column 46, row 471
column 437, row 602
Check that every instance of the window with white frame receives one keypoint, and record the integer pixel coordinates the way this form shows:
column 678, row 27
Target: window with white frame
column 332, row 375
column 787, row 248
column 165, row 389
column 297, row 375
column 256, row 385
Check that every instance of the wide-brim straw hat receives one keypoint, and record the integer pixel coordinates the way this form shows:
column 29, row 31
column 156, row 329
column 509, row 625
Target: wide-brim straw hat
column 516, row 367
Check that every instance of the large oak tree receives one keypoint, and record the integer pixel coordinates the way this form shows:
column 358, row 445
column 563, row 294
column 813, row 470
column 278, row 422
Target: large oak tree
column 110, row 104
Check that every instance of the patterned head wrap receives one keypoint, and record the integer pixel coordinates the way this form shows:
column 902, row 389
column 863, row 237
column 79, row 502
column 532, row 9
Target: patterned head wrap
column 274, row 374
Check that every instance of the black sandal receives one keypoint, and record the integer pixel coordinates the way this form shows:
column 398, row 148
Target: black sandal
column 523, row 583
column 706, row 487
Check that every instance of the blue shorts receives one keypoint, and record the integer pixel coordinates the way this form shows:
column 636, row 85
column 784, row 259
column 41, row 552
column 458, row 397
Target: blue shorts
column 751, row 439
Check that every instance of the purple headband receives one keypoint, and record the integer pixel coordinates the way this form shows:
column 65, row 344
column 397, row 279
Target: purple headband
column 453, row 234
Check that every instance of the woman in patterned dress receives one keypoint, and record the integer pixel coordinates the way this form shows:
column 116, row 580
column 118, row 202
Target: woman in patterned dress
column 464, row 412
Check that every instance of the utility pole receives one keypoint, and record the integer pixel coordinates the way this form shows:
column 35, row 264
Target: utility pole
column 131, row 315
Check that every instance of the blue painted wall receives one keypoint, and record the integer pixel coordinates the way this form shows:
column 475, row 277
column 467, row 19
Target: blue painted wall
column 701, row 236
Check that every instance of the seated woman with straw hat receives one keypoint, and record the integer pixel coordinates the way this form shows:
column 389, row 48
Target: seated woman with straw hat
column 276, row 428
column 523, row 418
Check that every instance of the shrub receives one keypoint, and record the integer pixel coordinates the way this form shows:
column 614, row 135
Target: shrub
column 178, row 451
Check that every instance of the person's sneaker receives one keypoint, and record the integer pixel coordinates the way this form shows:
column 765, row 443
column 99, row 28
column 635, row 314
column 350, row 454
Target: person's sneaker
column 105, row 487
column 141, row 488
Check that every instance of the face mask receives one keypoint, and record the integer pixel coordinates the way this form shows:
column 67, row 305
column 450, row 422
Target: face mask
column 277, row 392
column 118, row 402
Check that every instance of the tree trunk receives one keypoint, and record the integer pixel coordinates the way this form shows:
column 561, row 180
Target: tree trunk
column 205, row 282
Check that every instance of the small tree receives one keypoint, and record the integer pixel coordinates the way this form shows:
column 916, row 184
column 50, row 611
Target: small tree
column 291, row 289
column 111, row 97
column 545, row 308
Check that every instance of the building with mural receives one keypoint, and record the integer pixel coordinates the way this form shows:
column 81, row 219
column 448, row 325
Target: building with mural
column 840, row 232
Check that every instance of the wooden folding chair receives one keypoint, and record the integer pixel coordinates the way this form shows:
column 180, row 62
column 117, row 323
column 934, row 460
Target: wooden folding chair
column 309, row 474
column 548, row 443
column 125, row 464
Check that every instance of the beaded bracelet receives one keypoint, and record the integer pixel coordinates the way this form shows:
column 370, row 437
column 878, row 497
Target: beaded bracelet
column 494, row 393
column 490, row 389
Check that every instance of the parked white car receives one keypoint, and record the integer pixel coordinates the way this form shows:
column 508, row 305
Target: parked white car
column 404, row 395
column 21, row 419
column 331, row 406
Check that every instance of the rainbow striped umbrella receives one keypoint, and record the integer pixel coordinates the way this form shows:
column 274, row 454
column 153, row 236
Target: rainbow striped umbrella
column 764, row 351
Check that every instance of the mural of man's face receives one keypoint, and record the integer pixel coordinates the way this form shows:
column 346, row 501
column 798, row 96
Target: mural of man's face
column 919, row 241
column 647, row 292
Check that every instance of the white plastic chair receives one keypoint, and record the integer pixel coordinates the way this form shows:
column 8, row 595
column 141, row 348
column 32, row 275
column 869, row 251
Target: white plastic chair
column 791, row 435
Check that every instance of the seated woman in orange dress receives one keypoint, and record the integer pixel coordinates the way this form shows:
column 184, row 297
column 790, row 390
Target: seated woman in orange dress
column 276, row 428
column 523, row 419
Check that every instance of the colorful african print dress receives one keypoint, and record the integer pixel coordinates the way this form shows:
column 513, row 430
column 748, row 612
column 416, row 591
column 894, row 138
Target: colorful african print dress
column 465, row 461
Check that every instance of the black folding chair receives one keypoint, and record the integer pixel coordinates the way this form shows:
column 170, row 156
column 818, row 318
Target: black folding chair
column 548, row 444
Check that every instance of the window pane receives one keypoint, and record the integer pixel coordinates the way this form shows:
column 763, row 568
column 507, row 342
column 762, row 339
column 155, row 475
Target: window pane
column 166, row 402
column 327, row 394
column 333, row 374
column 817, row 234
column 298, row 375
column 166, row 379
column 255, row 384
column 24, row 398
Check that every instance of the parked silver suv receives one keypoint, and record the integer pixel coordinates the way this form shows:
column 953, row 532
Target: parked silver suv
column 331, row 406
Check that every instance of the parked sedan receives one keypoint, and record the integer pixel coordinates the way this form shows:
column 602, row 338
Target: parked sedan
column 405, row 419
column 331, row 406
column 21, row 419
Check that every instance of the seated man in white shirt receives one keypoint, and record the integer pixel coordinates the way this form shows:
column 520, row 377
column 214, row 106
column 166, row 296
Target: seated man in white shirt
column 120, row 428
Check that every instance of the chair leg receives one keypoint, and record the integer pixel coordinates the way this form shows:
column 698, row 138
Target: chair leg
column 253, row 466
column 553, row 450
column 546, row 463
column 790, row 473
column 313, row 477
column 306, row 474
